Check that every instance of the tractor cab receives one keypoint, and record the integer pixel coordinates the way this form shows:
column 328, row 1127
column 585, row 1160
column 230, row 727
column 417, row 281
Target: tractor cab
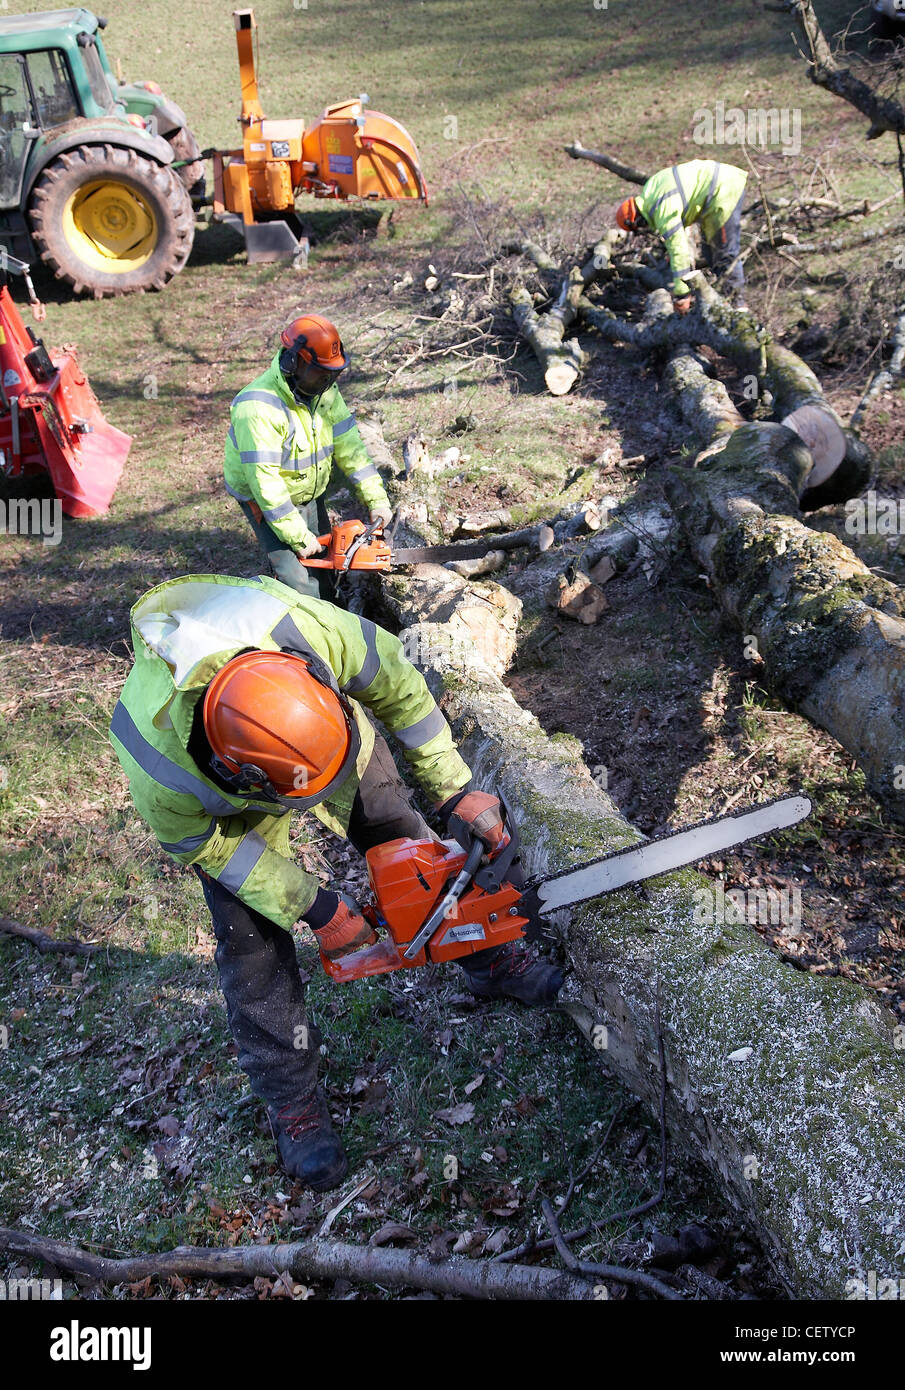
column 51, row 73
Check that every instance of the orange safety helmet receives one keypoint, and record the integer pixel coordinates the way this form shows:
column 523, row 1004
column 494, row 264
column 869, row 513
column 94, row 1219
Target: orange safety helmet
column 278, row 729
column 314, row 340
column 628, row 217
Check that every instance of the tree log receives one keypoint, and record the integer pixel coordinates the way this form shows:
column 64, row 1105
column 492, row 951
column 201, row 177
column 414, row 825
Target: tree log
column 735, row 335
column 561, row 361
column 806, row 1135
column 607, row 161
column 830, row 633
column 310, row 1259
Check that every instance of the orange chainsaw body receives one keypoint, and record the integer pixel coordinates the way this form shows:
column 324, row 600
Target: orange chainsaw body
column 343, row 553
column 408, row 878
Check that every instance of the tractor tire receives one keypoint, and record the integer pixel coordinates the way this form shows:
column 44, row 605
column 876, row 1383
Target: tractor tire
column 111, row 221
column 185, row 146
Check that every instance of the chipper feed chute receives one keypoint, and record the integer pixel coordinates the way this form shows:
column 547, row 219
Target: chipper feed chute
column 50, row 420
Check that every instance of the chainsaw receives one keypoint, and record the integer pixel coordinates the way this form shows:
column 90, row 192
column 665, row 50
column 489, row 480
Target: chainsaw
column 437, row 900
column 351, row 545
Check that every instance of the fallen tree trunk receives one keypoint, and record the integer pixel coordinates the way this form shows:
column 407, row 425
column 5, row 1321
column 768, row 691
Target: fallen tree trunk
column 829, row 632
column 805, row 1134
column 793, row 388
column 562, row 361
column 310, row 1259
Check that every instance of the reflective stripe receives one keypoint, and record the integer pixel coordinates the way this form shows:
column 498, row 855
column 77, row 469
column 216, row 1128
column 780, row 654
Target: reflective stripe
column 291, row 639
column 344, row 426
column 301, row 465
column 241, row 862
column 261, row 456
column 427, row 728
column 679, row 189
column 232, row 439
column 162, row 769
column 191, row 842
column 671, row 230
column 239, row 496
column 371, row 664
column 712, row 189
column 680, row 274
column 662, row 199
column 369, row 471
column 275, row 513
column 266, row 398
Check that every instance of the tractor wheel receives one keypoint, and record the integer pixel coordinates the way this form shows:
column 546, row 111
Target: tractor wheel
column 185, row 147
column 111, row 221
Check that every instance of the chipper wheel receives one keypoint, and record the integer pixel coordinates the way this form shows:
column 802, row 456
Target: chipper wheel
column 111, row 221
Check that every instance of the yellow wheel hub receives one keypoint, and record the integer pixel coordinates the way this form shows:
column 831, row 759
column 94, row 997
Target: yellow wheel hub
column 110, row 226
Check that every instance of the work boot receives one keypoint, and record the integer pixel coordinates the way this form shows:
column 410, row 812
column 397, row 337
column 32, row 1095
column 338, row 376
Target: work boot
column 307, row 1143
column 512, row 970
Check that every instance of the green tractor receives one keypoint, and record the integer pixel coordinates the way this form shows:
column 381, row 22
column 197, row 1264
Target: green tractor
column 97, row 177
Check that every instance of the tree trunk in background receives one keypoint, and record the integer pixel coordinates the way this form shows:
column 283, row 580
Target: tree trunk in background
column 830, row 633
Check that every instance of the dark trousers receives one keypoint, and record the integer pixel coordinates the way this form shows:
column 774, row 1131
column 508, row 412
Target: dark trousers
column 725, row 247
column 313, row 583
column 259, row 975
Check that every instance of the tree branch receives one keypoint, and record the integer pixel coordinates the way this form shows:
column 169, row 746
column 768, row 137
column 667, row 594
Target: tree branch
column 313, row 1259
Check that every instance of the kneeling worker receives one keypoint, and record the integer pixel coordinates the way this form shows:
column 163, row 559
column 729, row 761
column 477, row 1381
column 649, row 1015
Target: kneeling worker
column 287, row 428
column 244, row 703
column 704, row 191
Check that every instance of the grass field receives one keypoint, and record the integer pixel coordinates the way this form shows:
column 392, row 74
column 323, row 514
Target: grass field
column 124, row 1119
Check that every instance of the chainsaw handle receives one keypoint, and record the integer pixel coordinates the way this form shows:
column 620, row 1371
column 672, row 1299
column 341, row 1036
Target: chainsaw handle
column 316, row 562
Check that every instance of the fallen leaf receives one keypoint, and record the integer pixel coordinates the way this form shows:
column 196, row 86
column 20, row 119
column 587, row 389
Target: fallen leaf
column 498, row 1241
column 392, row 1232
column 473, row 1085
column 456, row 1114
column 169, row 1126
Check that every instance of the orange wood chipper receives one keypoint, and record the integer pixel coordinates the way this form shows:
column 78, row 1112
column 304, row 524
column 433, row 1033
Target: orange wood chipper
column 348, row 152
column 50, row 420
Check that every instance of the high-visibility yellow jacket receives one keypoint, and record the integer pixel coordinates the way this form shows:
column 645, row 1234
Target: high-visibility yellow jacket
column 701, row 190
column 183, row 632
column 279, row 452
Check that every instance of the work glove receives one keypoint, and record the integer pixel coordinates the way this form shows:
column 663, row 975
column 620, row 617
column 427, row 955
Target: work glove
column 478, row 811
column 310, row 546
column 683, row 303
column 382, row 515
column 345, row 931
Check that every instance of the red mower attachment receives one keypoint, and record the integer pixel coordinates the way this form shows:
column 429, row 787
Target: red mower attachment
column 50, row 419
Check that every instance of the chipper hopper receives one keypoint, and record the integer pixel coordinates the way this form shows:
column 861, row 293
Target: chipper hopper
column 50, row 420
column 347, row 152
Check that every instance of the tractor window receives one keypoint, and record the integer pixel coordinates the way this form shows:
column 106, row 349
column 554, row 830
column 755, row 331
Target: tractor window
column 97, row 78
column 52, row 87
column 15, row 112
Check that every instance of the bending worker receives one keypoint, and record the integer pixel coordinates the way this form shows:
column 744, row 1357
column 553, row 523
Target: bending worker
column 704, row 191
column 247, row 702
column 287, row 428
